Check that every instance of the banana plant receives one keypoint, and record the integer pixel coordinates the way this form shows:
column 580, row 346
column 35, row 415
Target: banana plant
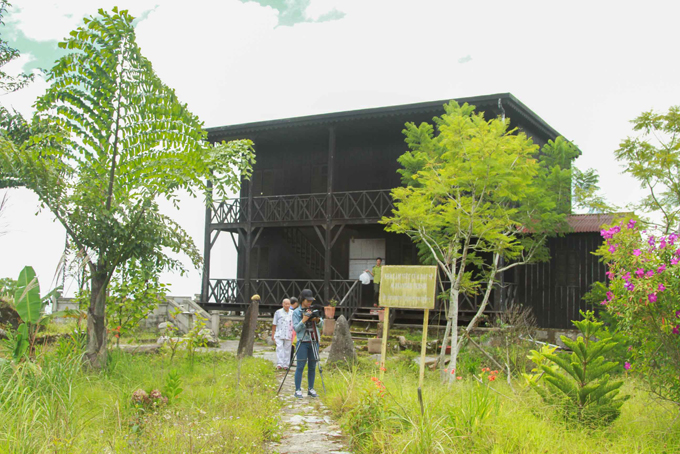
column 30, row 307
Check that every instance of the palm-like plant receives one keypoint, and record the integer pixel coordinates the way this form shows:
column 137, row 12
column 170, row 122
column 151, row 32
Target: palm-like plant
column 118, row 139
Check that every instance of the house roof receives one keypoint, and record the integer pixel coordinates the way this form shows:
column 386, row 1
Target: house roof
column 501, row 101
column 591, row 222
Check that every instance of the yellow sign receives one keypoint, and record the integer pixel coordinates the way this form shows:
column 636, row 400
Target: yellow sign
column 408, row 287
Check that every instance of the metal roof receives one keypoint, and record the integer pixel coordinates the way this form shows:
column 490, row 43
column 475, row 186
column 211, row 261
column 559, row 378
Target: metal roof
column 509, row 102
column 591, row 222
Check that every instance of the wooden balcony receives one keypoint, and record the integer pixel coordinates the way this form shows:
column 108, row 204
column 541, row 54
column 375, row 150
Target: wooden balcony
column 228, row 294
column 356, row 207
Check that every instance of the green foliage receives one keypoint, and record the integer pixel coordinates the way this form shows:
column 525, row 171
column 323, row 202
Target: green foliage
column 195, row 338
column 174, row 340
column 580, row 387
column 29, row 306
column 477, row 201
column 474, row 418
column 8, row 83
column 173, row 385
column 17, row 344
column 118, row 139
column 642, row 301
column 135, row 291
column 27, row 300
column 7, row 288
column 54, row 405
column 653, row 158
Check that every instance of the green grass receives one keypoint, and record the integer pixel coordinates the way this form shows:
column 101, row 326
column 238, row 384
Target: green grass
column 52, row 405
column 469, row 417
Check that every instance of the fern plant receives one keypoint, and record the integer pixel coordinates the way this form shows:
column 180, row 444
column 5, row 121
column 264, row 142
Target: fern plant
column 579, row 384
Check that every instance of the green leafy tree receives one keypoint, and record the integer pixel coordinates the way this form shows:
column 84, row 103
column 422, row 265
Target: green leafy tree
column 9, row 83
column 653, row 158
column 642, row 301
column 135, row 291
column 119, row 139
column 579, row 384
column 474, row 189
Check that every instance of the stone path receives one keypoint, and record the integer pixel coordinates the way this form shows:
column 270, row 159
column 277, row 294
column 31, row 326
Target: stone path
column 307, row 425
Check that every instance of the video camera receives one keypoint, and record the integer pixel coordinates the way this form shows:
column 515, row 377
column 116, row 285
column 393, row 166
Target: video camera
column 313, row 311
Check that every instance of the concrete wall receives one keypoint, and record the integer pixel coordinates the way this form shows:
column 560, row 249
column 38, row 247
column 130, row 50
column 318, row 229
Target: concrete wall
column 189, row 310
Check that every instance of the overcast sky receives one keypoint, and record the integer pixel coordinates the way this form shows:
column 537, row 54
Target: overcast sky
column 586, row 68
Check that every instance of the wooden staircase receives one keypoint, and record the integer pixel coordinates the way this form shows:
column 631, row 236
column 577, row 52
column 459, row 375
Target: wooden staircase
column 364, row 324
column 308, row 253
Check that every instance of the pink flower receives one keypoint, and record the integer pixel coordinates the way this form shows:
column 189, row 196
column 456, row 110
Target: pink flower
column 651, row 241
column 676, row 330
column 604, row 303
column 612, row 248
column 675, row 261
column 606, row 234
column 639, row 272
column 629, row 286
column 671, row 238
column 661, row 287
column 626, row 365
column 631, row 224
column 637, row 252
column 649, row 273
column 626, row 276
column 610, row 295
column 662, row 268
column 652, row 297
column 614, row 230
column 677, row 314
column 662, row 243
column 610, row 275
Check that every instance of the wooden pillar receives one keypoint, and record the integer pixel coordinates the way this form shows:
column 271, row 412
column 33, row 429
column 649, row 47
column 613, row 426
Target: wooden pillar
column 329, row 217
column 248, row 243
column 207, row 246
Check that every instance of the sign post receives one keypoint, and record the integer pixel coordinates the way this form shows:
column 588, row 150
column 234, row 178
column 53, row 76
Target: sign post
column 407, row 287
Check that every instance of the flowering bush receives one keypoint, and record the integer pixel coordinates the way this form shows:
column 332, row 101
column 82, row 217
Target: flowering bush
column 643, row 297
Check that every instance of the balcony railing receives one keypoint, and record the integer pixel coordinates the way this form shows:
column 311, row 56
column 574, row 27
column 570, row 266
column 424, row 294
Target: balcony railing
column 344, row 206
column 231, row 292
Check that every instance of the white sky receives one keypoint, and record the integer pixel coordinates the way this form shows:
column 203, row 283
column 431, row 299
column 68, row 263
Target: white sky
column 586, row 68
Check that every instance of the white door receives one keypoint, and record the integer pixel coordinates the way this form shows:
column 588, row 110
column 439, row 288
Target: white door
column 362, row 255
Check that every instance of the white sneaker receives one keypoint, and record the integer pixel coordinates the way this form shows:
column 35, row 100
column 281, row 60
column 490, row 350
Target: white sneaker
column 312, row 393
column 298, row 394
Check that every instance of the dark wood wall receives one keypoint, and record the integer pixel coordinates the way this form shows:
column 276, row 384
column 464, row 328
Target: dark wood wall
column 554, row 289
column 273, row 257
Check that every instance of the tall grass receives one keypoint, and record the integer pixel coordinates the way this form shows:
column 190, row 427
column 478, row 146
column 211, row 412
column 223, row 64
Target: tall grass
column 53, row 405
column 488, row 417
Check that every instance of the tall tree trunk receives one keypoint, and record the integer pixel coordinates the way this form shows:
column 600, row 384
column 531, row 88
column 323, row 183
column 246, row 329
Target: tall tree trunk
column 95, row 356
column 453, row 317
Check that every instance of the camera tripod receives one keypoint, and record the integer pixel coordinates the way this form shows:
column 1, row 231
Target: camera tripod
column 313, row 335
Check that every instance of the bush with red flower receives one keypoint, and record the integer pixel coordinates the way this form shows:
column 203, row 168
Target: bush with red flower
column 643, row 298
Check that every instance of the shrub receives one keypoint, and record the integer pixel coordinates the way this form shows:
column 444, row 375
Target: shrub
column 643, row 299
column 578, row 385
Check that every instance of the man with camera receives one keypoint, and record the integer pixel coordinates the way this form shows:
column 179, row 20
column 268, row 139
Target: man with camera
column 306, row 323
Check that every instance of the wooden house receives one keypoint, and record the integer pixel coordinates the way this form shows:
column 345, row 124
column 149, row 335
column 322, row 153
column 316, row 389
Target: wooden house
column 309, row 216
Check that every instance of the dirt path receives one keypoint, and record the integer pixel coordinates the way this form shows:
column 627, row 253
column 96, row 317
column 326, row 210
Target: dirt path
column 307, row 426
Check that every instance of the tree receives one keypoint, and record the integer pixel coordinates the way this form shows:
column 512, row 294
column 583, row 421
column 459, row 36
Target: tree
column 653, row 158
column 119, row 139
column 477, row 202
column 9, row 83
column 135, row 292
column 642, row 297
